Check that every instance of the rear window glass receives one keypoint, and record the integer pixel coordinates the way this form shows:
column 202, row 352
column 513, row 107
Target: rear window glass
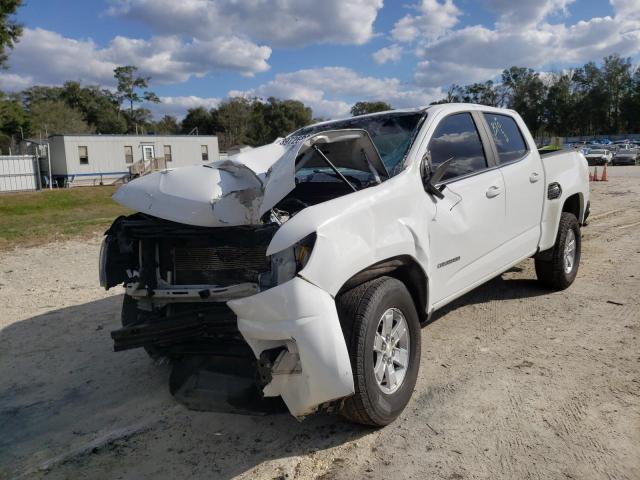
column 507, row 136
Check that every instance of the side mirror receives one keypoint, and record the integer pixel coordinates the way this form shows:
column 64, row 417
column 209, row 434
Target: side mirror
column 431, row 179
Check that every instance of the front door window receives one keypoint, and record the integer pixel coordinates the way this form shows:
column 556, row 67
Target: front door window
column 457, row 138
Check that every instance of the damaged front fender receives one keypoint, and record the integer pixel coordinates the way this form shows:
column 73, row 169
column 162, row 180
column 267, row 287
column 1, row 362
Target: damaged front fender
column 302, row 318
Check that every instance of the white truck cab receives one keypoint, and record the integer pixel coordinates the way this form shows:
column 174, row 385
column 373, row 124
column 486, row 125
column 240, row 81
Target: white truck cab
column 312, row 263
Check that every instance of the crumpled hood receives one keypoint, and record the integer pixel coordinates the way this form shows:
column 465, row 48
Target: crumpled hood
column 240, row 190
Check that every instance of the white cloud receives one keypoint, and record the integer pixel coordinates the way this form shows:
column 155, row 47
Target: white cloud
column 228, row 53
column 12, row 82
column 434, row 18
column 521, row 14
column 330, row 91
column 436, row 74
column 46, row 57
column 629, row 9
column 178, row 106
column 393, row 53
column 49, row 58
column 277, row 22
column 477, row 53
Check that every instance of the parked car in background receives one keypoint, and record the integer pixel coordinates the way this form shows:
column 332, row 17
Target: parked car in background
column 599, row 156
column 304, row 269
column 626, row 156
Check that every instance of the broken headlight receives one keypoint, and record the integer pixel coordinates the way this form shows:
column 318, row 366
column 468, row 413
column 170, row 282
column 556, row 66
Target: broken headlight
column 288, row 262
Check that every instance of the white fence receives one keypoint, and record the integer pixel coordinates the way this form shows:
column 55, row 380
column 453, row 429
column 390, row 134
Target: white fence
column 19, row 173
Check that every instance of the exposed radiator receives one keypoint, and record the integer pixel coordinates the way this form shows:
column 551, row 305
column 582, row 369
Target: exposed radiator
column 220, row 258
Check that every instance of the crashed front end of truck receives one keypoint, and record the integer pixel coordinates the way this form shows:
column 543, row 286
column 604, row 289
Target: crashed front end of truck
column 207, row 288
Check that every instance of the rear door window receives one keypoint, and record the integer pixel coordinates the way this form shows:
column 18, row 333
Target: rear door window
column 457, row 138
column 507, row 137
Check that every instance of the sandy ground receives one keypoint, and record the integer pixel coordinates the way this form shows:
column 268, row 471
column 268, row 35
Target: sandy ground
column 515, row 382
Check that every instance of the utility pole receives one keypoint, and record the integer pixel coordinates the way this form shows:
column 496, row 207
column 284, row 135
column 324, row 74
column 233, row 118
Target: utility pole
column 49, row 162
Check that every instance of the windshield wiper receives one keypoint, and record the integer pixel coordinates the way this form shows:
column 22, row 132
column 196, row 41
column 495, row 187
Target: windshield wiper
column 334, row 168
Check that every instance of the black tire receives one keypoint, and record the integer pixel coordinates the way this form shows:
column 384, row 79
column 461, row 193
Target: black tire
column 129, row 316
column 550, row 266
column 360, row 310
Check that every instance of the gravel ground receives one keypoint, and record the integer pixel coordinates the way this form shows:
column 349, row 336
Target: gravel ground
column 515, row 382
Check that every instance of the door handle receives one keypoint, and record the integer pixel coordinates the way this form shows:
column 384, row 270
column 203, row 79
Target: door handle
column 534, row 177
column 494, row 191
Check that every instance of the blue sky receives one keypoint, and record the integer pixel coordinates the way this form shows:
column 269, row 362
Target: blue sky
column 327, row 53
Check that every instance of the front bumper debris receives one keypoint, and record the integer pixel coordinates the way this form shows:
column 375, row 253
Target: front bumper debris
column 195, row 293
column 315, row 368
column 214, row 325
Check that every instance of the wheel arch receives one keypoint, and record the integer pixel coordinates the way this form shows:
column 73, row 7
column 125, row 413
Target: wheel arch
column 405, row 269
column 574, row 204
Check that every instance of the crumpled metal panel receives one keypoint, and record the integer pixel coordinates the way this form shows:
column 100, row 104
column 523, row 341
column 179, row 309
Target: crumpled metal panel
column 240, row 190
column 304, row 318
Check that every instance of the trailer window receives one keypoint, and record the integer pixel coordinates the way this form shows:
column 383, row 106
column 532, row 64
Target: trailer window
column 128, row 154
column 507, row 137
column 83, row 153
column 205, row 153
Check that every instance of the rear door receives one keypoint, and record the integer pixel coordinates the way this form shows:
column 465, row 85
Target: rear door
column 524, row 180
column 468, row 224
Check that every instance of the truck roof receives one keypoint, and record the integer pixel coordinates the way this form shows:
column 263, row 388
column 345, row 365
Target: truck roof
column 443, row 107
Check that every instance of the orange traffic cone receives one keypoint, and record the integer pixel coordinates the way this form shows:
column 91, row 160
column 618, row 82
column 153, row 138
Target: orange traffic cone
column 595, row 174
column 605, row 176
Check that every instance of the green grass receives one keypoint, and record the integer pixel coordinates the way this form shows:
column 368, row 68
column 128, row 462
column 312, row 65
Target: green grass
column 36, row 218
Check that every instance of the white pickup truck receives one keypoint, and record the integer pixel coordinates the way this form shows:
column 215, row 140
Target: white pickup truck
column 304, row 269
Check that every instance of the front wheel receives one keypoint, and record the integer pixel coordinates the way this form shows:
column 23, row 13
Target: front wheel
column 382, row 331
column 560, row 267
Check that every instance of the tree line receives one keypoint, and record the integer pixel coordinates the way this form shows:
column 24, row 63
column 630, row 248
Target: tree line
column 585, row 101
column 72, row 108
column 590, row 100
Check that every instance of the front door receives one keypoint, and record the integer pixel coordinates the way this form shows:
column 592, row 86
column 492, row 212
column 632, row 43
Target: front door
column 467, row 227
column 148, row 152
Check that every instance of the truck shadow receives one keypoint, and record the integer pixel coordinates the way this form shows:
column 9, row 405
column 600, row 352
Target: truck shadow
column 68, row 401
column 500, row 288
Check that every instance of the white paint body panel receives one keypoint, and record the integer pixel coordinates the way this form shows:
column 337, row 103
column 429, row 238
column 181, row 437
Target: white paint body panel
column 571, row 171
column 392, row 219
column 466, row 213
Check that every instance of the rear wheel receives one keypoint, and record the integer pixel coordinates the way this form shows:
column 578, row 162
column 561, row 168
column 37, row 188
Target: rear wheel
column 559, row 267
column 382, row 331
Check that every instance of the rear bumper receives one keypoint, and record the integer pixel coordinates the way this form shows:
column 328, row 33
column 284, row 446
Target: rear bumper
column 623, row 161
column 301, row 317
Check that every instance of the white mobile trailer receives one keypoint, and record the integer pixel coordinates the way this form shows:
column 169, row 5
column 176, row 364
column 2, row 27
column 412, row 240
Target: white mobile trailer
column 106, row 159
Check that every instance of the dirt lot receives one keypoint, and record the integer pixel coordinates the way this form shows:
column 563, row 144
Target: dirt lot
column 516, row 382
